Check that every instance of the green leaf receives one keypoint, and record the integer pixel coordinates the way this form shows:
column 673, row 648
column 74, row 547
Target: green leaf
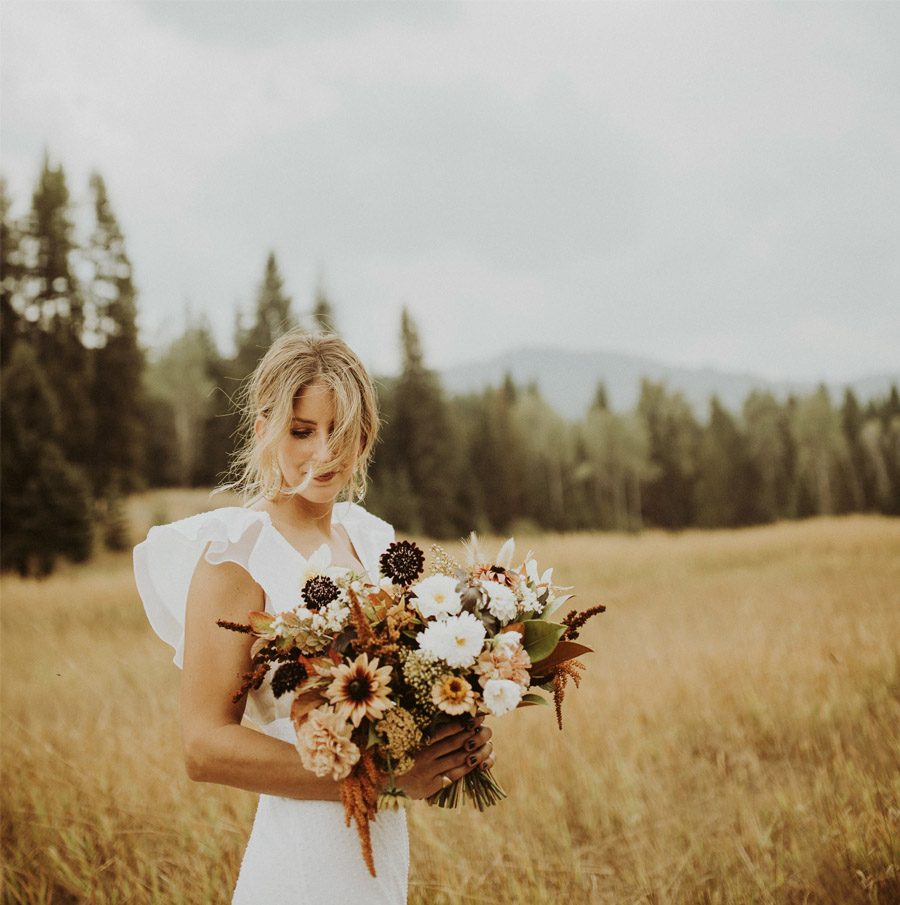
column 541, row 638
column 533, row 699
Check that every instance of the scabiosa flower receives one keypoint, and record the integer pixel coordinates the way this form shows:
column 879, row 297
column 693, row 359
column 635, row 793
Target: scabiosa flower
column 324, row 745
column 453, row 695
column 360, row 689
column 403, row 562
column 319, row 591
column 501, row 696
column 501, row 601
column 287, row 677
column 456, row 640
column 437, row 597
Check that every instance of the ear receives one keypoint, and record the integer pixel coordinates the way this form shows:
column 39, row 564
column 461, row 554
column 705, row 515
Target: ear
column 259, row 425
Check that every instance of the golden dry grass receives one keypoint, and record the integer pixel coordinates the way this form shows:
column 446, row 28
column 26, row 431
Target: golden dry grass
column 736, row 738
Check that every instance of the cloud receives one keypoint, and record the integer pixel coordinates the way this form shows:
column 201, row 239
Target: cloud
column 669, row 180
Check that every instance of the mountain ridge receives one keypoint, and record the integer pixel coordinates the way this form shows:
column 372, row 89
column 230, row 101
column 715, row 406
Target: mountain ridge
column 568, row 379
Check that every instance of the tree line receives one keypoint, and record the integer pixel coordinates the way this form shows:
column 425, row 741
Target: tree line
column 88, row 417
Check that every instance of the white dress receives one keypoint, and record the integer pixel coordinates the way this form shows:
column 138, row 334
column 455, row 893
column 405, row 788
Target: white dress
column 299, row 851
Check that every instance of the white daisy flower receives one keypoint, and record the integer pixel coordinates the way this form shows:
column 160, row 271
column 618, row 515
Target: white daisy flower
column 501, row 601
column 436, row 596
column 457, row 640
column 501, row 695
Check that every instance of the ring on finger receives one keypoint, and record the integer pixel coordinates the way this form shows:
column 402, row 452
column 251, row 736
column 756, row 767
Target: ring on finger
column 445, row 781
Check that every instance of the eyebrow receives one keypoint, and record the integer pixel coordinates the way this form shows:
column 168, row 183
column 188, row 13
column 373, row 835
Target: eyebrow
column 302, row 421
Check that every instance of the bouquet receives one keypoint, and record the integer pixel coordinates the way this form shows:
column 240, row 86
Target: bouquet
column 374, row 669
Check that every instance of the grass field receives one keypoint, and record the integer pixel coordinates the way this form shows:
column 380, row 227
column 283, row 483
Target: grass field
column 736, row 738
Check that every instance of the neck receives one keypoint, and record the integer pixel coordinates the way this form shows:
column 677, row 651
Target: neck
column 302, row 513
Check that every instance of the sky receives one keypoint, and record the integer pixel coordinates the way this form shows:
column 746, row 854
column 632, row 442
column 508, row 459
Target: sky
column 703, row 184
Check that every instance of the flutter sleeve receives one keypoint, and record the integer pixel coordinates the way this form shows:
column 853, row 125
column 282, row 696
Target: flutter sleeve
column 164, row 563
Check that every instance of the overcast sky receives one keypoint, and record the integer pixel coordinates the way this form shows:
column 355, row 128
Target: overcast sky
column 699, row 183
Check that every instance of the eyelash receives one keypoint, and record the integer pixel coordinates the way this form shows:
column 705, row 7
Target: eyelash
column 301, row 434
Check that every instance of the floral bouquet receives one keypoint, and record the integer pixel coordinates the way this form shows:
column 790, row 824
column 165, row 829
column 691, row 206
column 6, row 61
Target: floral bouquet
column 375, row 669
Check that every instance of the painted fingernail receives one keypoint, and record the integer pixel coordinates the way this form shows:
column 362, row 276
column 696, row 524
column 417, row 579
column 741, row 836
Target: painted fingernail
column 471, row 760
column 470, row 744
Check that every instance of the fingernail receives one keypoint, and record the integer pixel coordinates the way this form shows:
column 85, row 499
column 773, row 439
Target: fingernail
column 478, row 730
column 470, row 744
column 471, row 760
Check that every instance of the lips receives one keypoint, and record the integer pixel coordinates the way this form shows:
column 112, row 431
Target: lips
column 325, row 478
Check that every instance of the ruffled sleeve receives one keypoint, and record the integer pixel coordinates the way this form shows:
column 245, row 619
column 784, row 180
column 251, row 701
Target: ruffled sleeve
column 164, row 563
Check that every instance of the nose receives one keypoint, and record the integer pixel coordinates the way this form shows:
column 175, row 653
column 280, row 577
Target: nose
column 321, row 453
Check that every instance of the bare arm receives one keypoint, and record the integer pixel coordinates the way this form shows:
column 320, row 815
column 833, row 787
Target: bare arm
column 217, row 748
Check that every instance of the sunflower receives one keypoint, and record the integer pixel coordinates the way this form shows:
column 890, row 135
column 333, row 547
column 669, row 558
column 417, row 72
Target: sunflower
column 453, row 695
column 360, row 689
column 402, row 562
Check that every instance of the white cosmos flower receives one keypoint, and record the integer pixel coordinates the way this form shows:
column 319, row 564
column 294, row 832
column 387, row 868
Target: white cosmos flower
column 501, row 601
column 501, row 695
column 457, row 640
column 436, row 596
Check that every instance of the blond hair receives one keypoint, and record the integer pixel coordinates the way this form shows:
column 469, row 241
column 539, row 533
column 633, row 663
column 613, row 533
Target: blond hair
column 293, row 362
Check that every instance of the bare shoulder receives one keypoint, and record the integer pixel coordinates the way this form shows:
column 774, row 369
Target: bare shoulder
column 225, row 588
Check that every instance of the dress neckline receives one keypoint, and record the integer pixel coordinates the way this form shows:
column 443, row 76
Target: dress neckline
column 335, row 520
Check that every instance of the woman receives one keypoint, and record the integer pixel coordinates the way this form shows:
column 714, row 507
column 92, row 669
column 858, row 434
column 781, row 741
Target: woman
column 311, row 424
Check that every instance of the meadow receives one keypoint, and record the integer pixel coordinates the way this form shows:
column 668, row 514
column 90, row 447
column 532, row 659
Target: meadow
column 736, row 738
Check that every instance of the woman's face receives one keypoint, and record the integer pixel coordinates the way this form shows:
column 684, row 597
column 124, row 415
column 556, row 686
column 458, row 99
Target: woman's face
column 305, row 446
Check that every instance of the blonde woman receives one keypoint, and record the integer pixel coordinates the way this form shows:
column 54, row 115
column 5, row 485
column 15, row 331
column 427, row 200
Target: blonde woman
column 311, row 424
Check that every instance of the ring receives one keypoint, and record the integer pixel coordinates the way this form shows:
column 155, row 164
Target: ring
column 445, row 781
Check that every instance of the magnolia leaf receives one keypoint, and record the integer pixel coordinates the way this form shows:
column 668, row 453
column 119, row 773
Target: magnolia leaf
column 553, row 606
column 514, row 627
column 540, row 638
column 565, row 650
column 261, row 623
column 529, row 699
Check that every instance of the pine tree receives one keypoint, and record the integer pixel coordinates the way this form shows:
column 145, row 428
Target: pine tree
column 770, row 455
column 418, row 438
column 181, row 377
column 12, row 326
column 116, row 393
column 53, row 310
column 323, row 312
column 272, row 317
column 45, row 508
column 615, row 453
column 821, row 451
column 673, row 435
column 723, row 496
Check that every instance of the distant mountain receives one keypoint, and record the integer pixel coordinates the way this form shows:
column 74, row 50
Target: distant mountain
column 568, row 380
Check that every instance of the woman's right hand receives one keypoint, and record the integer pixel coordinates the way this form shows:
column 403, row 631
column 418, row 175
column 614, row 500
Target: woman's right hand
column 453, row 752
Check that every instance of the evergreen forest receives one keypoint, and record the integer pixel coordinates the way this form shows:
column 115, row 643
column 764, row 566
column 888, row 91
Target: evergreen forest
column 90, row 416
